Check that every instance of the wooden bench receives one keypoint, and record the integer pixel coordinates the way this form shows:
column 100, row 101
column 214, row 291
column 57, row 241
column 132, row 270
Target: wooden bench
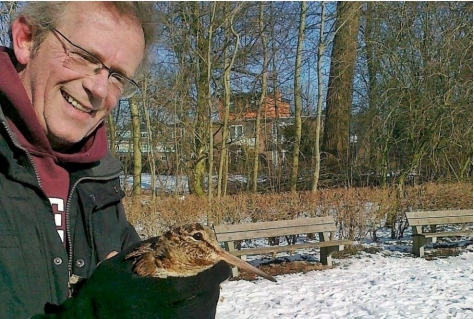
column 418, row 221
column 324, row 226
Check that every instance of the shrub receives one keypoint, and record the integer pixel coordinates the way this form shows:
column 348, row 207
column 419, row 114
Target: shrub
column 359, row 212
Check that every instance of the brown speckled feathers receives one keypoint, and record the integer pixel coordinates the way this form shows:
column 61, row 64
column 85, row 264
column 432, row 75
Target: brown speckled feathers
column 182, row 252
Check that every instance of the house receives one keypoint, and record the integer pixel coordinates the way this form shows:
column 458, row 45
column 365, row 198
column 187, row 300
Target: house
column 275, row 115
column 167, row 132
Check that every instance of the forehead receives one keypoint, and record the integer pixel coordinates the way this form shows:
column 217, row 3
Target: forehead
column 99, row 28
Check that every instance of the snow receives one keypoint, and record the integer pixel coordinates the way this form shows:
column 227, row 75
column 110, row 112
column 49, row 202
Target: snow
column 170, row 183
column 382, row 285
column 388, row 284
column 163, row 183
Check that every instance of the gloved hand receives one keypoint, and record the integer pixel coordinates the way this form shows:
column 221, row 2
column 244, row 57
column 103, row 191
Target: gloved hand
column 114, row 291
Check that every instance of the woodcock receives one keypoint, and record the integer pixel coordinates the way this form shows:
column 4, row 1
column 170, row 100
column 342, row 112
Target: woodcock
column 183, row 252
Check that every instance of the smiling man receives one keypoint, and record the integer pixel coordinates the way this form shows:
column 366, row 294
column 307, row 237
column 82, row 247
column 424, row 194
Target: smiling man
column 70, row 100
column 60, row 197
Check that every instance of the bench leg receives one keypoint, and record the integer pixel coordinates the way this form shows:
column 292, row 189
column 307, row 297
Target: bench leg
column 419, row 242
column 229, row 246
column 326, row 252
column 235, row 270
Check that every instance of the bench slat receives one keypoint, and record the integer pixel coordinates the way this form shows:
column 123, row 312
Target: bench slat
column 448, row 234
column 439, row 213
column 440, row 220
column 284, row 231
column 439, row 217
column 273, row 224
column 272, row 249
column 274, row 228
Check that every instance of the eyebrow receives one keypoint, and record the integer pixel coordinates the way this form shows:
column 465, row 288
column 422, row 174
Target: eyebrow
column 98, row 56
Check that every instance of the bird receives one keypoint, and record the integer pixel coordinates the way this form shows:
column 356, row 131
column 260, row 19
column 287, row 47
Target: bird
column 184, row 251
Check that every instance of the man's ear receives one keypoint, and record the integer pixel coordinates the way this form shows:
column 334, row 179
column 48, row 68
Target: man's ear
column 22, row 40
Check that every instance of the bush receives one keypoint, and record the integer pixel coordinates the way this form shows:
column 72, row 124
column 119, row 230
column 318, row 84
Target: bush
column 358, row 211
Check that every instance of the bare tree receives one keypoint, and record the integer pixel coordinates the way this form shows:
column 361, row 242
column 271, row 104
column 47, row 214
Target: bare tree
column 419, row 68
column 297, row 94
column 263, row 93
column 339, row 94
column 137, row 151
column 319, row 69
column 112, row 132
column 229, row 60
column 150, row 143
column 210, row 157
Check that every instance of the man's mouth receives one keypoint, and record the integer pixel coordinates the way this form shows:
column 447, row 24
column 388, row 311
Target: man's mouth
column 75, row 103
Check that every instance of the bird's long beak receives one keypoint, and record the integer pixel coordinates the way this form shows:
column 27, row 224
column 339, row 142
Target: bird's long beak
column 236, row 261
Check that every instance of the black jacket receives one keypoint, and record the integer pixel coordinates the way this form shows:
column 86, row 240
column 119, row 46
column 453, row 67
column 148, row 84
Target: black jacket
column 35, row 266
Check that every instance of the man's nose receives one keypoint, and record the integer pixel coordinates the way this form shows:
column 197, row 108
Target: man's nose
column 98, row 85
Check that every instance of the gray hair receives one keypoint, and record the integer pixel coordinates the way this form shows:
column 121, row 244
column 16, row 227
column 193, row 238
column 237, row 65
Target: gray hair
column 43, row 16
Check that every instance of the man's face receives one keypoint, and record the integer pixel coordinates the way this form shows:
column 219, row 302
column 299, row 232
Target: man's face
column 68, row 104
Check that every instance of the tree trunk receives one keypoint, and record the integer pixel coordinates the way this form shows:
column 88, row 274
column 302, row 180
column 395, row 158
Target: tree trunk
column 319, row 69
column 137, row 152
column 228, row 63
column 112, row 131
column 210, row 156
column 149, row 138
column 262, row 99
column 298, row 102
column 339, row 95
column 200, row 119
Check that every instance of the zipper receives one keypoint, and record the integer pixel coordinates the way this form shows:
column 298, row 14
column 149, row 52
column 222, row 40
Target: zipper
column 68, row 227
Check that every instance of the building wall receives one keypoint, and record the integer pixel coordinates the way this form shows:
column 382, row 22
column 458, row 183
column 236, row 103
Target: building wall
column 242, row 123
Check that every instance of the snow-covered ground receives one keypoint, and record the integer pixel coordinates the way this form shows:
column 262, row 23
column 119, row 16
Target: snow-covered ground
column 389, row 284
column 170, row 184
column 163, row 183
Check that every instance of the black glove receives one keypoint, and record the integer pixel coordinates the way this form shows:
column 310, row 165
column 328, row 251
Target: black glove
column 114, row 291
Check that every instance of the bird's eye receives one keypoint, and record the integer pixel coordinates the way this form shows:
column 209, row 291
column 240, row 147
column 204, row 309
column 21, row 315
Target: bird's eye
column 197, row 236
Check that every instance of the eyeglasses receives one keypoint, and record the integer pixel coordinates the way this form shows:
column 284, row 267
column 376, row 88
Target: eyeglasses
column 82, row 61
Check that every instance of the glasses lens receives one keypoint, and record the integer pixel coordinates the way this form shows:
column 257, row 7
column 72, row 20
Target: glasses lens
column 82, row 62
column 89, row 65
column 129, row 89
column 122, row 85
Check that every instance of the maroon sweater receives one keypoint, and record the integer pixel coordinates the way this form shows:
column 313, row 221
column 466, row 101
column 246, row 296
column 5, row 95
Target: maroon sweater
column 50, row 166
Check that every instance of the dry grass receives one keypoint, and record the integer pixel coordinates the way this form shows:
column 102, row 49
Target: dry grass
column 275, row 269
column 356, row 210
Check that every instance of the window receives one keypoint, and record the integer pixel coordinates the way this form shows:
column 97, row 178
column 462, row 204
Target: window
column 178, row 132
column 146, row 148
column 274, row 129
column 236, row 131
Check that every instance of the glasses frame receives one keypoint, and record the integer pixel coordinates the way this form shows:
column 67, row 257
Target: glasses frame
column 96, row 71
